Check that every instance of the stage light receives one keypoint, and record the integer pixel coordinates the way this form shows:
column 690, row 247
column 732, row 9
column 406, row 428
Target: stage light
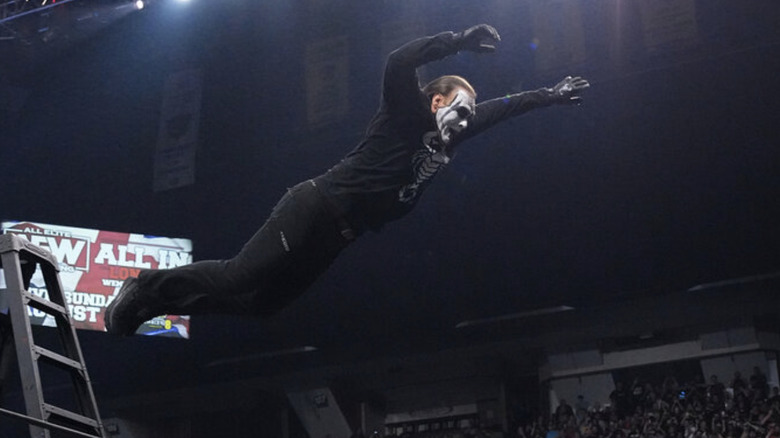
column 139, row 4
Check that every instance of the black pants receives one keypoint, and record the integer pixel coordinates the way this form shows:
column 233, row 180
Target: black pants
column 297, row 243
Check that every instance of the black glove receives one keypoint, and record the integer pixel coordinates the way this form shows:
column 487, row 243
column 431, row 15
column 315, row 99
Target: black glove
column 481, row 38
column 568, row 90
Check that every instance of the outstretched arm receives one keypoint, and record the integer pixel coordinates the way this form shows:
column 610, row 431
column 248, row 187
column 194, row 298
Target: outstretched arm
column 490, row 112
column 401, row 83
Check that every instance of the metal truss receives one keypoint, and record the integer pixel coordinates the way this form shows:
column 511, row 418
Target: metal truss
column 12, row 7
column 31, row 31
column 10, row 10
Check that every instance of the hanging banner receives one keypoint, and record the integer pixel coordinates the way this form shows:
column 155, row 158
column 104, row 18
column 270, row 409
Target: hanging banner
column 669, row 25
column 93, row 266
column 396, row 33
column 559, row 36
column 327, row 81
column 177, row 139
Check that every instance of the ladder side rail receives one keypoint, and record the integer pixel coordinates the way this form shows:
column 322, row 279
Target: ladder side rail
column 85, row 396
column 23, row 339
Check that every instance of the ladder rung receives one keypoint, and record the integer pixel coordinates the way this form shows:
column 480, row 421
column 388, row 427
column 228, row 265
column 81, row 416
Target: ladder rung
column 58, row 359
column 45, row 305
column 68, row 415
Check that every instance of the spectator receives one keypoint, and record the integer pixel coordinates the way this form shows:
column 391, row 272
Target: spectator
column 738, row 383
column 758, row 383
column 716, row 389
column 620, row 400
column 637, row 393
column 563, row 412
column 581, row 407
column 775, row 396
column 705, row 411
column 670, row 388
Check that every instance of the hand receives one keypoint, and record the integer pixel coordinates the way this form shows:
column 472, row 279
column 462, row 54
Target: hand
column 481, row 38
column 568, row 90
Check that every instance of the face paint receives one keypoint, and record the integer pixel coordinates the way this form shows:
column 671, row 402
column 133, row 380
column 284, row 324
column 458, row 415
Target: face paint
column 453, row 118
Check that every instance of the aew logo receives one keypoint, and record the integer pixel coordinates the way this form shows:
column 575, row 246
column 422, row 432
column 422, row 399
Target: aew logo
column 71, row 251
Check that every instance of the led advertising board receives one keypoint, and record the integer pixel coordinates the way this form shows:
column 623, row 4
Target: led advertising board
column 93, row 266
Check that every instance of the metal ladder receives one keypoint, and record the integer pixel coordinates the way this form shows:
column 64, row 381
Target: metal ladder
column 19, row 259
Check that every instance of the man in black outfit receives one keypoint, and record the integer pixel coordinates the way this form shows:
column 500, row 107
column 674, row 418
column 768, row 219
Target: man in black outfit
column 412, row 136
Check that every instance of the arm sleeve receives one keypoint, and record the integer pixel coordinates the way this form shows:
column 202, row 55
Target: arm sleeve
column 400, row 83
column 493, row 111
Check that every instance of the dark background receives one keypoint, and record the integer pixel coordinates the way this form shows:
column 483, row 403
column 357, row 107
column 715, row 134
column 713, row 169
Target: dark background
column 665, row 178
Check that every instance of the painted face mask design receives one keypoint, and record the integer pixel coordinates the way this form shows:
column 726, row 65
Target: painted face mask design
column 454, row 118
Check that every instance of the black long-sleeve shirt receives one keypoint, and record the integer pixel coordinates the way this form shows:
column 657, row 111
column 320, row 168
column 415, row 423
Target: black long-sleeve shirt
column 382, row 178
